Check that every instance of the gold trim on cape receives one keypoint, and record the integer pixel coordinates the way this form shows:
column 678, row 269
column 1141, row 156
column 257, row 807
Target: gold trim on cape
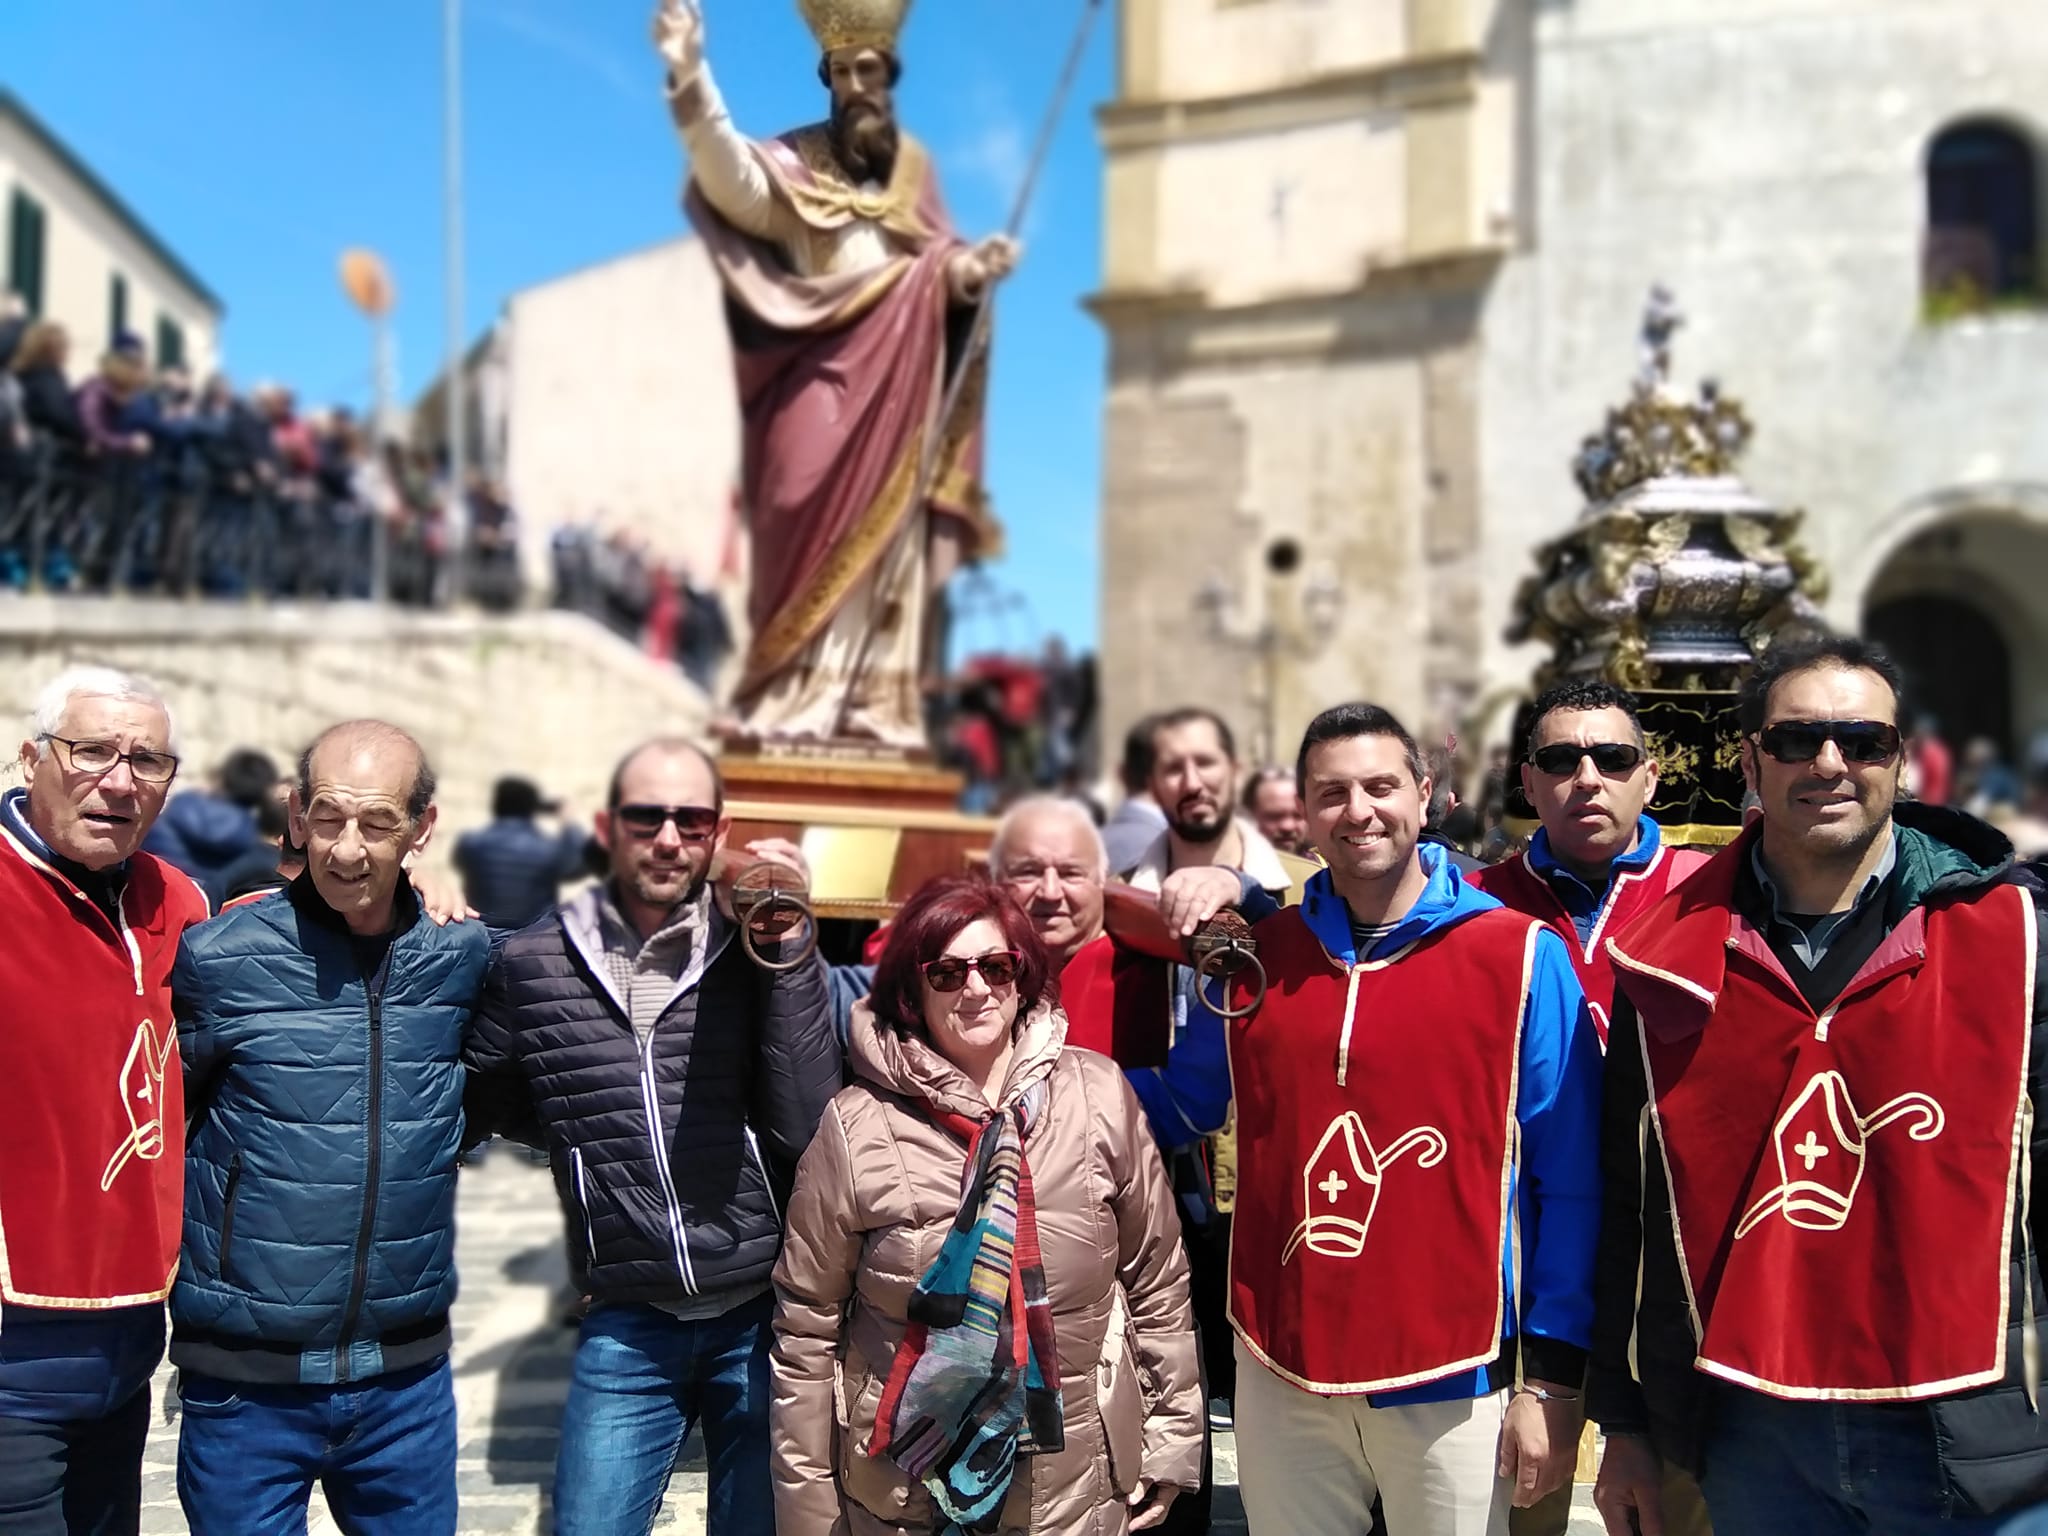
column 831, row 202
column 799, row 621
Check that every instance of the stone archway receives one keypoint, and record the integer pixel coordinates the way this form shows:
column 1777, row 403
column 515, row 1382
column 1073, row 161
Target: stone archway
column 1963, row 607
column 1957, row 663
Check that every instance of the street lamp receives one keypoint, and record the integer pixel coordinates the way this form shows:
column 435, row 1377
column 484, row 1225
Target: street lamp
column 1317, row 604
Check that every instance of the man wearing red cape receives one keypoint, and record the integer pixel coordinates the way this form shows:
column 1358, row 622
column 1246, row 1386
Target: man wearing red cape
column 850, row 298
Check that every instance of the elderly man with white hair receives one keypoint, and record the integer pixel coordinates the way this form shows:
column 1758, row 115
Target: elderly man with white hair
column 93, row 1135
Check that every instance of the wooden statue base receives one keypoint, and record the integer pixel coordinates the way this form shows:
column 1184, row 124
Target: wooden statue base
column 874, row 823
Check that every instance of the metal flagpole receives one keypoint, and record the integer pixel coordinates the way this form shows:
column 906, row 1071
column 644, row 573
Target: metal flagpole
column 380, row 434
column 455, row 396
column 984, row 313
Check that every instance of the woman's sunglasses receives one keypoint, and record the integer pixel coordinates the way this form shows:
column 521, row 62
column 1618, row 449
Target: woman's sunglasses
column 1860, row 741
column 694, row 823
column 948, row 973
column 1610, row 757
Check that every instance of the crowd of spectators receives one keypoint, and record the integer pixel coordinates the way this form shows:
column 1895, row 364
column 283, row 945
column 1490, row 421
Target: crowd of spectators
column 616, row 579
column 1014, row 725
column 132, row 479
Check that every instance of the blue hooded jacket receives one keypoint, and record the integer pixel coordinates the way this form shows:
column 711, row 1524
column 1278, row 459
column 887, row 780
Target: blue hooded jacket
column 1557, row 1173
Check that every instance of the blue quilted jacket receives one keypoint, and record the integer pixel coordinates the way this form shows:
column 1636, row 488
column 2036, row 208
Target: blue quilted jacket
column 326, row 1114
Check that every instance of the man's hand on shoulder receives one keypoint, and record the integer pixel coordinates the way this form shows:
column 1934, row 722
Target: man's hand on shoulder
column 440, row 898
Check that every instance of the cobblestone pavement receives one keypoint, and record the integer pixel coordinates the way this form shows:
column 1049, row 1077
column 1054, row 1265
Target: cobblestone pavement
column 512, row 1373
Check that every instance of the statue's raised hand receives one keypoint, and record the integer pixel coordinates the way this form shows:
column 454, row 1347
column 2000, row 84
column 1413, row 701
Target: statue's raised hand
column 679, row 38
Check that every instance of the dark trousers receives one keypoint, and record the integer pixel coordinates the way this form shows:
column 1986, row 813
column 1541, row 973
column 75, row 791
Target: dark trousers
column 81, row 1478
column 1208, row 1250
column 1777, row 1468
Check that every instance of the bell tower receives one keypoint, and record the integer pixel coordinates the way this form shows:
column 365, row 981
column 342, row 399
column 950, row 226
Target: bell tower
column 1305, row 204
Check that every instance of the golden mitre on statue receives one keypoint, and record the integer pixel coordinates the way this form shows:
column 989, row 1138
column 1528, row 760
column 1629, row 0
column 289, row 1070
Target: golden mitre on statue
column 855, row 23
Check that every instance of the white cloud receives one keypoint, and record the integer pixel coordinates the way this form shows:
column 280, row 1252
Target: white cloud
column 586, row 53
column 996, row 157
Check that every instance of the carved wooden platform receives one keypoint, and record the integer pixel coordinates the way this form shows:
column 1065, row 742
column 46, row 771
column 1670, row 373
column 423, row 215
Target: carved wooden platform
column 874, row 824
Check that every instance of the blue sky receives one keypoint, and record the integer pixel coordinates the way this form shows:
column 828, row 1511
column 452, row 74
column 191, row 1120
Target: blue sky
column 262, row 137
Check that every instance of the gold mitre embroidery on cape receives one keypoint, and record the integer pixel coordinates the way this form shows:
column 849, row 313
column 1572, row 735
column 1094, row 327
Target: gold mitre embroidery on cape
column 855, row 23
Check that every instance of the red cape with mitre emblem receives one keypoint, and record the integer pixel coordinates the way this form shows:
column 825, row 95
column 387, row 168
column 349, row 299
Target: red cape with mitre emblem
column 1844, row 1185
column 1375, row 1161
column 93, row 1141
column 1632, row 891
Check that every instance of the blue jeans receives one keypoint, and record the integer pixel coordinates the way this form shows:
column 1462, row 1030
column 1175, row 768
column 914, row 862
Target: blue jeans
column 382, row 1451
column 642, row 1378
column 1777, row 1468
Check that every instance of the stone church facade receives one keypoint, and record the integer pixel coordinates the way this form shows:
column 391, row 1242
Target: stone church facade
column 1373, row 269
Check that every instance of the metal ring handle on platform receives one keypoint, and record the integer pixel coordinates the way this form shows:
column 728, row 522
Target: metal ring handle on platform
column 772, row 901
column 1223, row 963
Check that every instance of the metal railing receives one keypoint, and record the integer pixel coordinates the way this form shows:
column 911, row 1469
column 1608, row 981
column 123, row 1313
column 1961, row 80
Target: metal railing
column 178, row 523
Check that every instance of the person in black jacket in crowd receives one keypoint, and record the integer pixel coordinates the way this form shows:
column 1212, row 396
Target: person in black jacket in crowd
column 1819, row 1269
column 674, row 1085
column 511, row 870
column 46, row 399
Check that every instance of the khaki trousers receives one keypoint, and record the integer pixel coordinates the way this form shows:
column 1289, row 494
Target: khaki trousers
column 1310, row 1465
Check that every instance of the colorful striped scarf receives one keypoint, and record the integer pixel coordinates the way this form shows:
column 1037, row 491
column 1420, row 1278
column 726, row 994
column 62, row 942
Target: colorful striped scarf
column 976, row 1381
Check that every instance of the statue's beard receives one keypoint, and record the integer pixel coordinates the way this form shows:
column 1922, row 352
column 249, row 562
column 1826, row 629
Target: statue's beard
column 864, row 140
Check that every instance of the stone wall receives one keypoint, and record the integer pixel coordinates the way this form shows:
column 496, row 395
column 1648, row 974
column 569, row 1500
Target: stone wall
column 1765, row 158
column 1304, row 204
column 551, row 696
column 1398, row 374
column 620, row 406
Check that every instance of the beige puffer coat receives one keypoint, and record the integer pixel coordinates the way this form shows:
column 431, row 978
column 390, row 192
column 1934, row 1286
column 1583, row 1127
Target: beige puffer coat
column 875, row 1196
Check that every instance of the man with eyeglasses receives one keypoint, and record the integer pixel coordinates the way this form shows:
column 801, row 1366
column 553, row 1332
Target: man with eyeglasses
column 674, row 1085
column 1819, row 1256
column 93, row 1140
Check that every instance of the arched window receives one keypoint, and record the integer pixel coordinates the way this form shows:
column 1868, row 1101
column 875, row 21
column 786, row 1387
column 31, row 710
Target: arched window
column 1983, row 217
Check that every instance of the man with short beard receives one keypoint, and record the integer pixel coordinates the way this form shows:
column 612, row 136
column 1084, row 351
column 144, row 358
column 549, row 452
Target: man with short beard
column 1194, row 781
column 674, row 1085
column 1819, row 1262
column 848, row 293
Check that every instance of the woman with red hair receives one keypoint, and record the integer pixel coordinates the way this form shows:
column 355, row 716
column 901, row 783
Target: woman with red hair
column 982, row 1314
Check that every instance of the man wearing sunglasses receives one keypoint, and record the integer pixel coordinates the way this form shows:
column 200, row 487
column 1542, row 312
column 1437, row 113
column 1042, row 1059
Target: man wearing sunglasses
column 1598, row 859
column 93, row 1138
column 1596, row 862
column 1819, row 1261
column 674, row 1085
